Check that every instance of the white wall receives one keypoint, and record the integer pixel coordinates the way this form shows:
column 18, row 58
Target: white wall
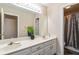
column 56, row 23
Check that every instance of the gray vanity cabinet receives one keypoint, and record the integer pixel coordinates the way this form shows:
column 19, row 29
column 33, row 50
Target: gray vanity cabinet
column 45, row 48
column 48, row 50
column 26, row 51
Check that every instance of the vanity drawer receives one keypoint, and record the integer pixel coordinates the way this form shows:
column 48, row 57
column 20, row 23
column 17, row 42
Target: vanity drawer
column 37, row 47
column 26, row 51
column 42, row 45
column 39, row 52
column 48, row 43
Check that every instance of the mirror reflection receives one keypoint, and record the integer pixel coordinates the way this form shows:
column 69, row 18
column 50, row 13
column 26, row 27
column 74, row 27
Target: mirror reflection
column 18, row 22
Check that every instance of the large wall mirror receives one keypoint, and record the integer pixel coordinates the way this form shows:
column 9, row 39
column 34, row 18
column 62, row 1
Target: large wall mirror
column 14, row 20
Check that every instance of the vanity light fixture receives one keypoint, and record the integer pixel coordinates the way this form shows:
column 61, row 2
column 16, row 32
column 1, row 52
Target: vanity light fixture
column 29, row 6
column 67, row 7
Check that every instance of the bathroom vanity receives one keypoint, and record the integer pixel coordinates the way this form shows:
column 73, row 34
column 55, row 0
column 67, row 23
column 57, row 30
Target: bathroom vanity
column 14, row 21
column 24, row 46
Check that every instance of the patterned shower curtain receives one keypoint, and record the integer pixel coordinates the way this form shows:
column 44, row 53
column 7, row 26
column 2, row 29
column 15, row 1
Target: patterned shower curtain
column 72, row 30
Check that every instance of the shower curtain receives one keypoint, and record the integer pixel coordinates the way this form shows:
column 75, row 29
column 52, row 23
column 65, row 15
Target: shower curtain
column 72, row 30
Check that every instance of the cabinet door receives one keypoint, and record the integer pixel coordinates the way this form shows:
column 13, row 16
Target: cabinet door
column 37, row 47
column 54, row 49
column 48, row 50
column 39, row 52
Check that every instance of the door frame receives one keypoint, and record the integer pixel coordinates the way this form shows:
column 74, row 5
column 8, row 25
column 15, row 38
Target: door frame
column 2, row 22
column 63, row 19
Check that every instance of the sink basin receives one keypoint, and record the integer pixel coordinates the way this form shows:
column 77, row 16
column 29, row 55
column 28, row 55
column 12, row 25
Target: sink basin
column 3, row 45
column 9, row 47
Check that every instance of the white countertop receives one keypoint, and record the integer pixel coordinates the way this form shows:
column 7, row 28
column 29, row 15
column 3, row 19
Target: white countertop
column 24, row 43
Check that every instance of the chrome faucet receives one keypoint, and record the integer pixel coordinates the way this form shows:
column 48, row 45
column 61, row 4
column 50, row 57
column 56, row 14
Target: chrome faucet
column 10, row 43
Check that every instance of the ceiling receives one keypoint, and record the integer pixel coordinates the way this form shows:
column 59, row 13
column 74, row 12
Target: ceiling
column 52, row 4
column 72, row 9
